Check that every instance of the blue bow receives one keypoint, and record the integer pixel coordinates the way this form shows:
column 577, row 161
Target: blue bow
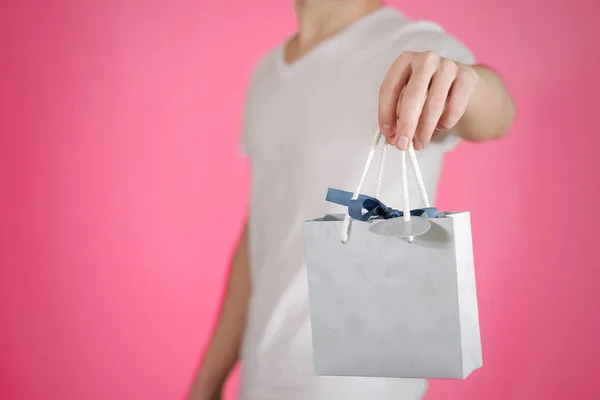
column 375, row 208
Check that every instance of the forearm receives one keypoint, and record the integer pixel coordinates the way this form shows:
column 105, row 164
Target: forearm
column 490, row 111
column 223, row 351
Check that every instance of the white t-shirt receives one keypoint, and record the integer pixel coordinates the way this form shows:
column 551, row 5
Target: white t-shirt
column 308, row 127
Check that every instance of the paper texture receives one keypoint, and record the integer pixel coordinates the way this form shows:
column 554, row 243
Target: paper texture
column 383, row 307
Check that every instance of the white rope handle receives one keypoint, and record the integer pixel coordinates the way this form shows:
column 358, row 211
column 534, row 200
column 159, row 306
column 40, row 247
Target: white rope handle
column 381, row 168
column 346, row 223
column 420, row 184
column 404, row 182
column 403, row 177
column 415, row 164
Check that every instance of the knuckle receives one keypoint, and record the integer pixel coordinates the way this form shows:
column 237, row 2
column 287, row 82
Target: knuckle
column 410, row 94
column 468, row 74
column 435, row 102
column 406, row 55
column 403, row 59
column 386, row 87
column 430, row 58
column 448, row 65
column 406, row 127
column 444, row 124
column 452, row 116
column 423, row 136
column 463, row 73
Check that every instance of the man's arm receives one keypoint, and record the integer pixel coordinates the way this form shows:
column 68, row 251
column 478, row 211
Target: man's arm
column 223, row 351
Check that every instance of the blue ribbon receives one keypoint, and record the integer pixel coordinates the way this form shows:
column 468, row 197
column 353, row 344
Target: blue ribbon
column 375, row 208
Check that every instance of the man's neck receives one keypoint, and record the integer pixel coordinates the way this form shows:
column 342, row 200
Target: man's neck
column 321, row 19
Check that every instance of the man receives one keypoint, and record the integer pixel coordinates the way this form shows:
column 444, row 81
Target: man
column 311, row 111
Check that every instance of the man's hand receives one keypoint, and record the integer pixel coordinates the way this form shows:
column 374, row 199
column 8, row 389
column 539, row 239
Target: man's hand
column 420, row 93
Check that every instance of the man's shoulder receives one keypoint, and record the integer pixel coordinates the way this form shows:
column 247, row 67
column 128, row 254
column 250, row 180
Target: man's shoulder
column 420, row 35
column 392, row 26
column 266, row 64
column 395, row 33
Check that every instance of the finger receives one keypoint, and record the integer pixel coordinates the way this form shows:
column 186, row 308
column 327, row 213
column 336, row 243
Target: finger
column 389, row 93
column 434, row 104
column 415, row 94
column 460, row 92
column 392, row 139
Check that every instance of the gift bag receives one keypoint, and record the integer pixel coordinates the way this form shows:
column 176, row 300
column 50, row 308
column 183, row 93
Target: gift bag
column 392, row 293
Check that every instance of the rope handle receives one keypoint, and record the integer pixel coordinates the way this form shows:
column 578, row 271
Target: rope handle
column 403, row 177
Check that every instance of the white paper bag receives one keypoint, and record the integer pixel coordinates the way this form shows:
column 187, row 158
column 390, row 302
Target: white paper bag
column 390, row 304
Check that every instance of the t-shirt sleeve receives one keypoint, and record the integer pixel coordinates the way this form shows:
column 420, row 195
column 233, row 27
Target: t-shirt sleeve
column 243, row 144
column 243, row 147
column 428, row 36
column 256, row 81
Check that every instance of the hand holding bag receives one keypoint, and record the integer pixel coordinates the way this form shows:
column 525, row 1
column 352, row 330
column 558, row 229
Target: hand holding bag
column 392, row 293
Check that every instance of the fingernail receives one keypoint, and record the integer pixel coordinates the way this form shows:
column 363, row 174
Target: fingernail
column 418, row 145
column 403, row 142
column 387, row 129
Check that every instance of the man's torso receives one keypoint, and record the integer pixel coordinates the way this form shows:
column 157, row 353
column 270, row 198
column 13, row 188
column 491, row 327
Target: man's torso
column 308, row 127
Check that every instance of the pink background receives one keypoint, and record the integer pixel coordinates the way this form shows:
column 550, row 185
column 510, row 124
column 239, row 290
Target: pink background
column 119, row 123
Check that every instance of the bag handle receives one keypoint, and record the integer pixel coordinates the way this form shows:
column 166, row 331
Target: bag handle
column 403, row 178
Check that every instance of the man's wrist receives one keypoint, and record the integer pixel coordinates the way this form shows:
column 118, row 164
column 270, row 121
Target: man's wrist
column 206, row 386
column 490, row 110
